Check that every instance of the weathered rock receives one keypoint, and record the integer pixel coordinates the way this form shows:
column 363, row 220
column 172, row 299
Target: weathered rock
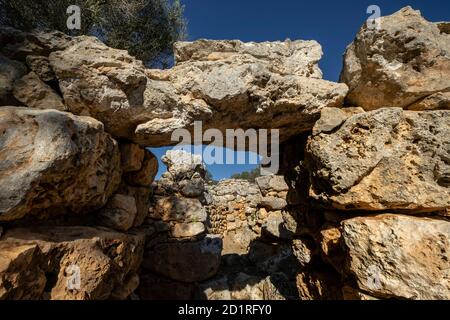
column 107, row 84
column 248, row 288
column 185, row 261
column 186, row 230
column 289, row 57
column 329, row 239
column 271, row 183
column 34, row 93
column 238, row 241
column 349, row 293
column 131, row 156
column 384, row 159
column 302, row 249
column 147, row 173
column 272, row 83
column 237, row 88
column 119, row 212
column 276, row 226
column 54, row 162
column 21, row 277
column 41, row 66
column 330, row 119
column 176, row 208
column 403, row 62
column 10, row 72
column 396, row 256
column 18, row 45
column 318, row 285
column 181, row 164
column 141, row 196
column 273, row 203
column 104, row 259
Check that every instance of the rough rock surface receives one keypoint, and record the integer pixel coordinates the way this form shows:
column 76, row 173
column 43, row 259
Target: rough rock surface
column 317, row 286
column 330, row 119
column 274, row 83
column 10, row 72
column 141, row 196
column 55, row 162
column 395, row 256
column 384, row 159
column 179, row 209
column 405, row 61
column 33, row 93
column 119, row 212
column 42, row 261
column 181, row 164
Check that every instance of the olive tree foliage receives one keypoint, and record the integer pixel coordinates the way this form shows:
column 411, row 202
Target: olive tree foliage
column 146, row 28
column 248, row 175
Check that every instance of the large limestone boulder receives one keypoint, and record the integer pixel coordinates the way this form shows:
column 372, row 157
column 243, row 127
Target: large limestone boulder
column 318, row 285
column 54, row 162
column 146, row 174
column 141, row 196
column 271, row 183
column 384, row 159
column 119, row 212
column 242, row 89
column 41, row 67
column 404, row 62
column 181, row 164
column 104, row 83
column 290, row 57
column 44, row 261
column 177, row 208
column 397, row 256
column 226, row 84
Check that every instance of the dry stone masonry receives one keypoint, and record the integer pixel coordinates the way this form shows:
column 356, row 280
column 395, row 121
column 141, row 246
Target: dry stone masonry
column 360, row 209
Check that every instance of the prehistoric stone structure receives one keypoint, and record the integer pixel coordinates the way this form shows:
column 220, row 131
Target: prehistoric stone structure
column 359, row 210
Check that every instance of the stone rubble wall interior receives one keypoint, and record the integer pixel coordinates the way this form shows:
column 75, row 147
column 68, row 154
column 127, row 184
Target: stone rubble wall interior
column 359, row 210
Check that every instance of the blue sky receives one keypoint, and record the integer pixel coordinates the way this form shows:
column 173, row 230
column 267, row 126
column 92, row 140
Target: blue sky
column 333, row 24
